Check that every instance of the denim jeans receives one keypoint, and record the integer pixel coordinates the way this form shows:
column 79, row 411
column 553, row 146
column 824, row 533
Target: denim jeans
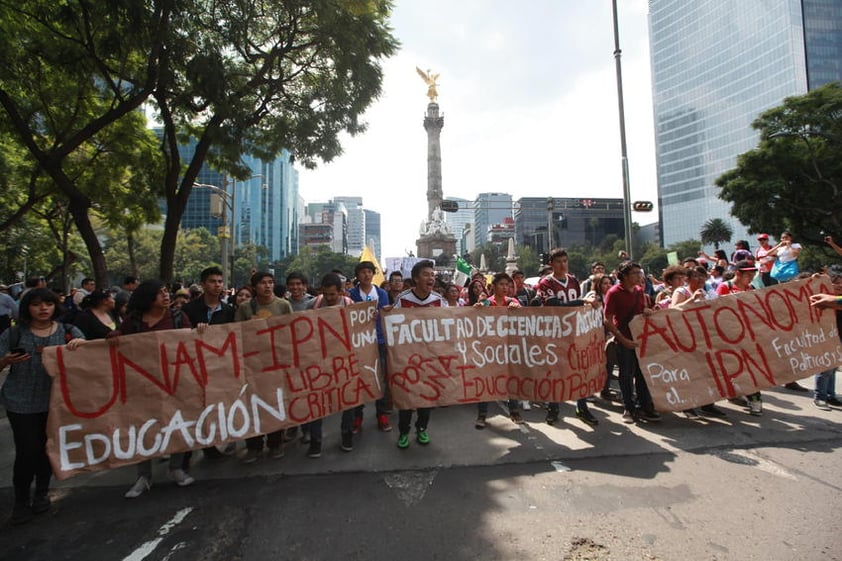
column 632, row 380
column 825, row 385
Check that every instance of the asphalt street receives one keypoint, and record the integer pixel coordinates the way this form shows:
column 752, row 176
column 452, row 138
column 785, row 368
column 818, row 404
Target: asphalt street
column 737, row 487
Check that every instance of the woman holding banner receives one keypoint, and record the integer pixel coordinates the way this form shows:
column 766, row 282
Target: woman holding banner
column 502, row 285
column 26, row 395
column 149, row 310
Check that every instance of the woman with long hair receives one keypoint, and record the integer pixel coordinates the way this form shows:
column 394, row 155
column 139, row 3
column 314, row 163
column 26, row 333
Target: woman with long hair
column 476, row 291
column 97, row 319
column 149, row 310
column 26, row 395
column 243, row 295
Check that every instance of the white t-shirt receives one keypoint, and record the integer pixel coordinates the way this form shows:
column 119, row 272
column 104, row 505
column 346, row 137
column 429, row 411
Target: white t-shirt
column 785, row 254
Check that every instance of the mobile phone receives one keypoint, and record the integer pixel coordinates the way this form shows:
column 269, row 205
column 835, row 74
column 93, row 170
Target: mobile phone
column 18, row 351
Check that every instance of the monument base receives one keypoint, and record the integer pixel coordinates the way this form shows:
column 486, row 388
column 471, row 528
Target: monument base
column 439, row 247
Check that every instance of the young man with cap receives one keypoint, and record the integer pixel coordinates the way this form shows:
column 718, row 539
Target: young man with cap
column 366, row 291
column 764, row 260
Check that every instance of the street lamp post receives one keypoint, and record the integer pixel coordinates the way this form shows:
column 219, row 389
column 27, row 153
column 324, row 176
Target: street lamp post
column 550, row 206
column 624, row 155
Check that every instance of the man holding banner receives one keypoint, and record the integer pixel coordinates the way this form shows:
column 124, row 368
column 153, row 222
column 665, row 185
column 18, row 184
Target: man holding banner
column 264, row 304
column 420, row 296
column 623, row 302
column 560, row 288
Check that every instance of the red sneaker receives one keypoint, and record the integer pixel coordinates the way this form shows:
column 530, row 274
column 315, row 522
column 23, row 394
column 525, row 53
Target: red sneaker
column 383, row 423
column 357, row 426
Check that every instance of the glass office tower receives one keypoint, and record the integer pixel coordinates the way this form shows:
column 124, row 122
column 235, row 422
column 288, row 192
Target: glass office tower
column 716, row 65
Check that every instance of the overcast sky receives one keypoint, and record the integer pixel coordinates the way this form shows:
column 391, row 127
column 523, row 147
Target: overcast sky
column 529, row 96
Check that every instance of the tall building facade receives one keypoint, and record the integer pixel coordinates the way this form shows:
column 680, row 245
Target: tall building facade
column 456, row 221
column 372, row 231
column 716, row 65
column 356, row 223
column 575, row 222
column 490, row 209
column 264, row 207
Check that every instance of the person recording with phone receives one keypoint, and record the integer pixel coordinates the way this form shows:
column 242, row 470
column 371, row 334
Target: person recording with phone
column 26, row 395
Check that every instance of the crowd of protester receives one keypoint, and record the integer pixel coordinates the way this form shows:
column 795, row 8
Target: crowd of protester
column 41, row 317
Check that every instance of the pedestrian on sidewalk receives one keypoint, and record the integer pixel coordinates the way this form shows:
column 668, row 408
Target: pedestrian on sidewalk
column 26, row 395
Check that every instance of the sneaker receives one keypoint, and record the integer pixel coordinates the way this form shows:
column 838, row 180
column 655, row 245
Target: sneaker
column 357, row 426
column 606, row 395
column 516, row 418
column 422, row 437
column 403, row 441
column 276, row 452
column 587, row 417
column 628, row 417
column 649, row 414
column 712, row 410
column 552, row 417
column 383, row 423
column 755, row 407
column 181, row 477
column 479, row 424
column 315, row 449
column 21, row 513
column 140, row 487
column 347, row 441
column 821, row 404
column 834, row 402
column 251, row 456
column 41, row 503
column 741, row 401
column 796, row 387
column 691, row 414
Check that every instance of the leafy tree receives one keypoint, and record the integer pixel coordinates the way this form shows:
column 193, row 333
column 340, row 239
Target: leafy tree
column 716, row 231
column 792, row 179
column 238, row 77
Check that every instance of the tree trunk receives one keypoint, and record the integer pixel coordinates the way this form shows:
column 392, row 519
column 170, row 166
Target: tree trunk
column 79, row 209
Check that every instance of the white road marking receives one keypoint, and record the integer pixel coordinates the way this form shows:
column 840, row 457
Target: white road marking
column 145, row 549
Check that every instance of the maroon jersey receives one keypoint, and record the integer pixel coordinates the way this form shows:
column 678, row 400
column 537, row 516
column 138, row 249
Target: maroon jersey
column 553, row 291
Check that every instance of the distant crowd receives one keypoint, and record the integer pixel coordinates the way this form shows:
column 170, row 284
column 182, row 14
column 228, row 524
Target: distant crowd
column 41, row 317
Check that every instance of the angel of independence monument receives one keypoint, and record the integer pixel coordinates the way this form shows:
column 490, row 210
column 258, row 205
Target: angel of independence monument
column 436, row 241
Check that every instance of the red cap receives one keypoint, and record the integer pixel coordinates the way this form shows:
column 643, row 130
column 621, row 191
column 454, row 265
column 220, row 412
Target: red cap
column 763, row 237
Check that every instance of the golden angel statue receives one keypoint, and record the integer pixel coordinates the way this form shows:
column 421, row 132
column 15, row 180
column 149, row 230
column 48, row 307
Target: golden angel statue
column 429, row 79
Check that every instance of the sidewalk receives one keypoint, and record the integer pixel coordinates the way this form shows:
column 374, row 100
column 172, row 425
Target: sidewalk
column 789, row 419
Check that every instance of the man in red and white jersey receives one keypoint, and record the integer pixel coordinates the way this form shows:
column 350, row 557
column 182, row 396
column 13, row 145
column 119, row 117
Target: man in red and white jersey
column 421, row 295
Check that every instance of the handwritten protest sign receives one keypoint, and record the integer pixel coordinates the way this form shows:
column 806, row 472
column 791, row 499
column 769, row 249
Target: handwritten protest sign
column 164, row 392
column 736, row 345
column 445, row 356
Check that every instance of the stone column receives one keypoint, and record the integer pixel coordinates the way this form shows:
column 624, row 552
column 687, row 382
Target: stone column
column 433, row 124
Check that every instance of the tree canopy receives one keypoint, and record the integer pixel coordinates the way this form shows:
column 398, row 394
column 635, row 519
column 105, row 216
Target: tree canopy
column 791, row 180
column 236, row 77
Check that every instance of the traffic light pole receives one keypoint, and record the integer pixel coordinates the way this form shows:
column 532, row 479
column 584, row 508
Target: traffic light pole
column 624, row 155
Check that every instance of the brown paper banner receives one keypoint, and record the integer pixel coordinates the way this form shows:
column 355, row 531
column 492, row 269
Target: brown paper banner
column 446, row 356
column 736, row 345
column 141, row 396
